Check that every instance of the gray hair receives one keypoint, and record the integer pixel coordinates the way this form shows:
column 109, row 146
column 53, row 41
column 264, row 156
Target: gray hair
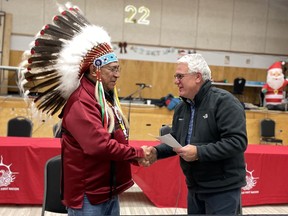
column 196, row 63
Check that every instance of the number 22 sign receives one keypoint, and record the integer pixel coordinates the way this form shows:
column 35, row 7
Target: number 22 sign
column 133, row 12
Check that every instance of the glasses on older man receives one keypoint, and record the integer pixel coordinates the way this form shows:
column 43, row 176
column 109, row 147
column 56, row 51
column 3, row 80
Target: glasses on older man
column 113, row 69
column 181, row 76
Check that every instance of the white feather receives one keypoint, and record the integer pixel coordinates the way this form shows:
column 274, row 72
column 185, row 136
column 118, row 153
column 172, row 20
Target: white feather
column 21, row 80
column 73, row 52
column 26, row 54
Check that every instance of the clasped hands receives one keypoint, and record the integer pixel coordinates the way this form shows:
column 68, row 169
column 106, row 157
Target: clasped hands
column 150, row 156
column 188, row 153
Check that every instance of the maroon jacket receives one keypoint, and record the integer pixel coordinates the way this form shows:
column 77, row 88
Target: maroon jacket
column 88, row 151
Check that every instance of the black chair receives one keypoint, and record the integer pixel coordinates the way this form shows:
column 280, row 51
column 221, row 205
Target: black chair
column 238, row 87
column 52, row 195
column 20, row 127
column 239, row 210
column 57, row 130
column 165, row 129
column 267, row 132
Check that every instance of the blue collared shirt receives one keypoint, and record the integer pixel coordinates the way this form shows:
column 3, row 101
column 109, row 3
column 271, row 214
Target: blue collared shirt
column 189, row 135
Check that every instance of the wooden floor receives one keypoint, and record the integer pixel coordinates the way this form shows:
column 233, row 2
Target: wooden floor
column 134, row 202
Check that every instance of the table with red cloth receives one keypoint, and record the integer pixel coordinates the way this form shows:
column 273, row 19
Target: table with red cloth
column 22, row 163
column 266, row 174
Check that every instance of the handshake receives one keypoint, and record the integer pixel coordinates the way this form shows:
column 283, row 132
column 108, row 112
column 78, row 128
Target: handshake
column 150, row 156
column 188, row 153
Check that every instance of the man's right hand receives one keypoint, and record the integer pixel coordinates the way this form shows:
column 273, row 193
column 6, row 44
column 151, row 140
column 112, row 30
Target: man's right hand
column 150, row 156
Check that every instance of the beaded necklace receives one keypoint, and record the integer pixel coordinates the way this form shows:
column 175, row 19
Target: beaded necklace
column 116, row 112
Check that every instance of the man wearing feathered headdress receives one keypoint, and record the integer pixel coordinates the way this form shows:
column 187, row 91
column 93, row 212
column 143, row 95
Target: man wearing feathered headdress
column 274, row 87
column 73, row 65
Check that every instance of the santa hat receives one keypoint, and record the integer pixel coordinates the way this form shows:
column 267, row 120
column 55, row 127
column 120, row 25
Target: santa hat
column 276, row 66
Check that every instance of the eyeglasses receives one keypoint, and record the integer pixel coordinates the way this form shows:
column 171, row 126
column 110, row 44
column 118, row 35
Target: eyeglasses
column 180, row 76
column 113, row 69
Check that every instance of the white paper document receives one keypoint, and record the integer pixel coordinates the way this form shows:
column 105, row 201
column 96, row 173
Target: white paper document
column 169, row 140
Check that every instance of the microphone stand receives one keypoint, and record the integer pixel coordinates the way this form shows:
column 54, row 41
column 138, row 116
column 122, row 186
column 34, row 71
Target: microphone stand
column 141, row 87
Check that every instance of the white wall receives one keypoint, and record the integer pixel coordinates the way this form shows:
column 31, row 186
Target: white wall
column 166, row 54
column 254, row 26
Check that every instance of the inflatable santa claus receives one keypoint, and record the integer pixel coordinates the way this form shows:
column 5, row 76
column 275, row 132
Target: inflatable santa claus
column 274, row 87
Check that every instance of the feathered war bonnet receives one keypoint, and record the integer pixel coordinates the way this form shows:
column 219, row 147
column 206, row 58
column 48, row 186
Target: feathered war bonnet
column 58, row 58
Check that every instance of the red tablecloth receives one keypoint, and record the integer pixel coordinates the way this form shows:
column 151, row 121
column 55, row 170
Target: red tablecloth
column 266, row 175
column 22, row 168
column 164, row 184
column 23, row 160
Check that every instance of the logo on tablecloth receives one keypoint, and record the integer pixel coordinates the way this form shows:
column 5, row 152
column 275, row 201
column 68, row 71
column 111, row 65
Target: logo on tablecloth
column 251, row 183
column 6, row 176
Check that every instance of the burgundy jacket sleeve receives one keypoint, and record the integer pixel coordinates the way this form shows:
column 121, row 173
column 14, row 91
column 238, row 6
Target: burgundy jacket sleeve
column 93, row 138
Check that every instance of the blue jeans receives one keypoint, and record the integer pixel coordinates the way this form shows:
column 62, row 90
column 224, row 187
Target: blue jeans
column 110, row 207
column 222, row 203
